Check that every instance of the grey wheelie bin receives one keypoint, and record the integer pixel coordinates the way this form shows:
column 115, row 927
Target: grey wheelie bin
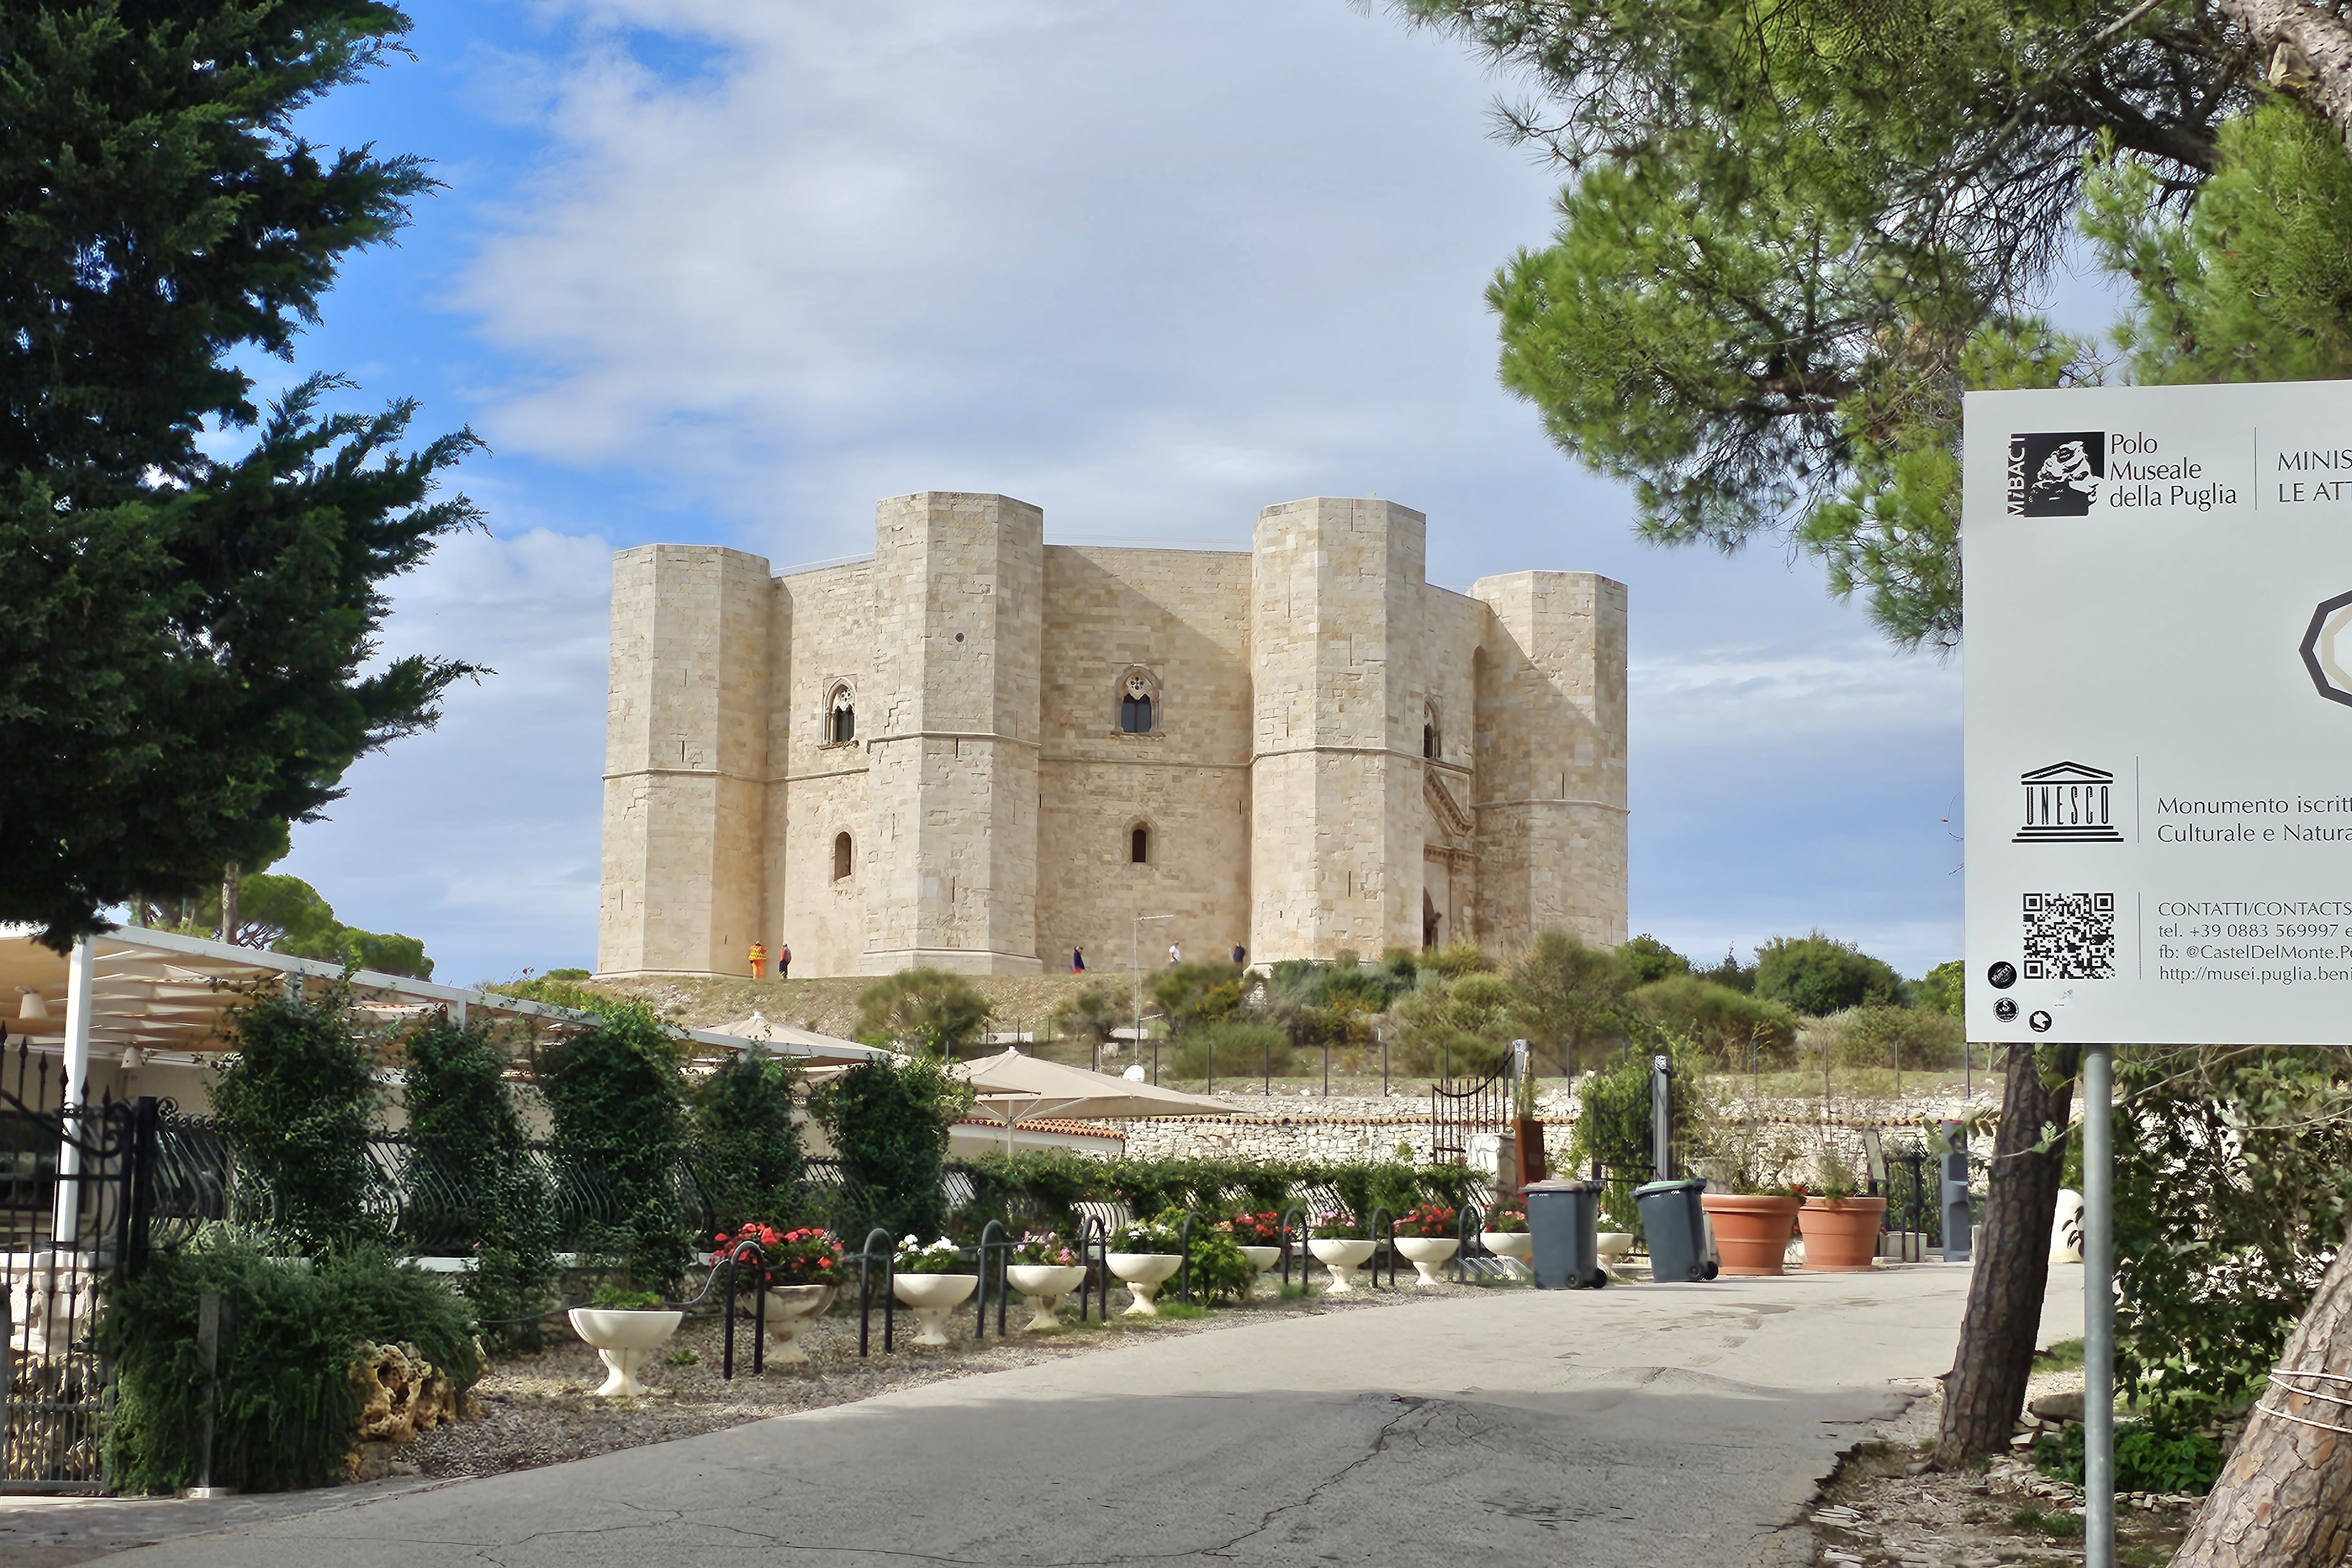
column 1676, row 1228
column 1561, row 1220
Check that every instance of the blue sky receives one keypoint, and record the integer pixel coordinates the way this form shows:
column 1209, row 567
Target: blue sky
column 715, row 271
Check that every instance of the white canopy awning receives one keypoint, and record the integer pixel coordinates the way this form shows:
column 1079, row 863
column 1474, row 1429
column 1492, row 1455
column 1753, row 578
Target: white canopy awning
column 1014, row 1087
column 158, row 990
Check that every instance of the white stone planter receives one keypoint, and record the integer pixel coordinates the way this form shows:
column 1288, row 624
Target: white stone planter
column 791, row 1309
column 1516, row 1244
column 1427, row 1253
column 623, row 1340
column 932, row 1297
column 1265, row 1259
column 1342, row 1256
column 1045, row 1285
column 1144, row 1273
column 1612, row 1246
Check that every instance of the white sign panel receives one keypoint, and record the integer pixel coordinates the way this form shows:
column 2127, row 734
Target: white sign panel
column 2158, row 695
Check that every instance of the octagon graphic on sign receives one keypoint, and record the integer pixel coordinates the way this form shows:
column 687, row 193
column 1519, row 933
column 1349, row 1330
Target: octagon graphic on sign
column 2323, row 653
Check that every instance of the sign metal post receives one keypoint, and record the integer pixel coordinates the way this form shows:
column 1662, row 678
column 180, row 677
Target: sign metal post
column 2098, row 1309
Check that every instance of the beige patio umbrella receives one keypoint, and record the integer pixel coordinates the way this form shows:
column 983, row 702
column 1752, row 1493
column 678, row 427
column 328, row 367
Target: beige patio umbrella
column 1015, row 1088
column 760, row 1028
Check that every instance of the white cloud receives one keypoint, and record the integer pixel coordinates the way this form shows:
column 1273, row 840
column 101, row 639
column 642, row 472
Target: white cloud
column 1135, row 265
column 482, row 834
column 1755, row 692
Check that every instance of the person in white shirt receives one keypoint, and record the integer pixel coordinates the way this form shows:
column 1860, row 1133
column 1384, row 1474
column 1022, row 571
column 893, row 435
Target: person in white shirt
column 1175, row 955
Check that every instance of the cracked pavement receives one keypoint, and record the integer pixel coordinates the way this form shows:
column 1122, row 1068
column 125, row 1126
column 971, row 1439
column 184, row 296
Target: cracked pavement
column 1638, row 1426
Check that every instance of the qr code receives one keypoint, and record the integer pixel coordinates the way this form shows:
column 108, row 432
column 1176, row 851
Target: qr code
column 2069, row 936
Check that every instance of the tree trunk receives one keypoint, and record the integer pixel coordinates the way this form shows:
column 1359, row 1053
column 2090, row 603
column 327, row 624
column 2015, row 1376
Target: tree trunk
column 1985, row 1392
column 2308, row 51
column 2285, row 1499
column 228, row 904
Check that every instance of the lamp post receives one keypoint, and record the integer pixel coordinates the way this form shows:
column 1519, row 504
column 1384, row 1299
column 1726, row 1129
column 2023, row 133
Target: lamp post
column 1135, row 972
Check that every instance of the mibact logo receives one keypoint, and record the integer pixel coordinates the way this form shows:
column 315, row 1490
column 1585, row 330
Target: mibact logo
column 2056, row 473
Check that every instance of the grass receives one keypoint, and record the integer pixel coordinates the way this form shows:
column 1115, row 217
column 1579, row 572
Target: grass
column 683, row 1358
column 2059, row 1357
column 2033, row 1520
column 1182, row 1311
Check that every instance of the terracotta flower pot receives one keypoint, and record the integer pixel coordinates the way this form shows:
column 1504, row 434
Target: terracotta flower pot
column 1751, row 1229
column 1841, row 1233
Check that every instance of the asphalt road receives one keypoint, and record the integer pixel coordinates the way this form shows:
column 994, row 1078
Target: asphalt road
column 1628, row 1428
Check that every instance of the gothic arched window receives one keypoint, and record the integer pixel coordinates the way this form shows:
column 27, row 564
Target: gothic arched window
column 1139, row 844
column 840, row 716
column 842, row 854
column 1433, row 738
column 1138, row 703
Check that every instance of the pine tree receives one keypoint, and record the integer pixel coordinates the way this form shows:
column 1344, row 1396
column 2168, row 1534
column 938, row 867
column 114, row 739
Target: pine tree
column 182, row 636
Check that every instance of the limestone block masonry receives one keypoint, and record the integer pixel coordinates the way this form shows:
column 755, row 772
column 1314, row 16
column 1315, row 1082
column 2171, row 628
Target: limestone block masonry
column 977, row 752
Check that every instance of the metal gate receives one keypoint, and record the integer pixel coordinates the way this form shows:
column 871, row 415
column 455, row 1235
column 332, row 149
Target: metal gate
column 1458, row 1115
column 73, row 1214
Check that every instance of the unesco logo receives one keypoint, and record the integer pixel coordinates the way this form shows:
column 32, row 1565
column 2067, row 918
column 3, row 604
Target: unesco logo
column 2067, row 802
column 2056, row 473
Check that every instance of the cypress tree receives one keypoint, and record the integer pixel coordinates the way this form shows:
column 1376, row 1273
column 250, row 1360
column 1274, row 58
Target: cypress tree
column 182, row 634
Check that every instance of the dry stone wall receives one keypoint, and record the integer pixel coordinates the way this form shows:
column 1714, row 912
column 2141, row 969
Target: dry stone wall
column 1790, row 1138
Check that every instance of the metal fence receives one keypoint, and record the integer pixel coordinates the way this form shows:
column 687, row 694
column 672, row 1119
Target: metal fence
column 74, row 1203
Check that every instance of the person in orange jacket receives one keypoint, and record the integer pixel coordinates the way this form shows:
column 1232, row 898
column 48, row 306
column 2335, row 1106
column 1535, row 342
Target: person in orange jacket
column 783, row 961
column 758, row 959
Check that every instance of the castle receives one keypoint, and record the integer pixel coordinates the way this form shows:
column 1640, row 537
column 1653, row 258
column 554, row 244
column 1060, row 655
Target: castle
column 977, row 752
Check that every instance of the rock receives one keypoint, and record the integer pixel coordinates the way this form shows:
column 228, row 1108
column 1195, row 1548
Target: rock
column 2058, row 1408
column 401, row 1394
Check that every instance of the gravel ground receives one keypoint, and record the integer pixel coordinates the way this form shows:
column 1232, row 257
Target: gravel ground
column 538, row 1409
column 1875, row 1514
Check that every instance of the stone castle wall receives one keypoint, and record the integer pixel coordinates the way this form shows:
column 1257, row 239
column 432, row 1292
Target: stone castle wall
column 983, row 816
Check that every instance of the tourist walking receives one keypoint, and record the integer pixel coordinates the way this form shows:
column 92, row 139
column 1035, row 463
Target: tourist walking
column 1240, row 956
column 1077, row 960
column 1175, row 955
column 783, row 961
column 758, row 959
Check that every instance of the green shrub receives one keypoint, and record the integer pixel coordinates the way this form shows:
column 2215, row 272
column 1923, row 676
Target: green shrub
column 618, row 1093
column 2233, row 1192
column 2146, row 1459
column 1033, row 1185
column 1571, row 1000
column 1456, row 1027
column 469, row 1148
column 1613, row 1124
column 1191, row 995
column 1454, row 960
column 1219, row 1271
column 1237, row 1048
column 1725, row 1022
column 293, row 1330
column 924, row 1010
column 1363, row 1188
column 1645, row 961
column 1818, row 975
column 746, row 1147
column 1943, row 988
column 888, row 1120
column 1876, row 1035
column 295, row 1101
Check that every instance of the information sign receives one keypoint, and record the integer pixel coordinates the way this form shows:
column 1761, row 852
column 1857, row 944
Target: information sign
column 2158, row 702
